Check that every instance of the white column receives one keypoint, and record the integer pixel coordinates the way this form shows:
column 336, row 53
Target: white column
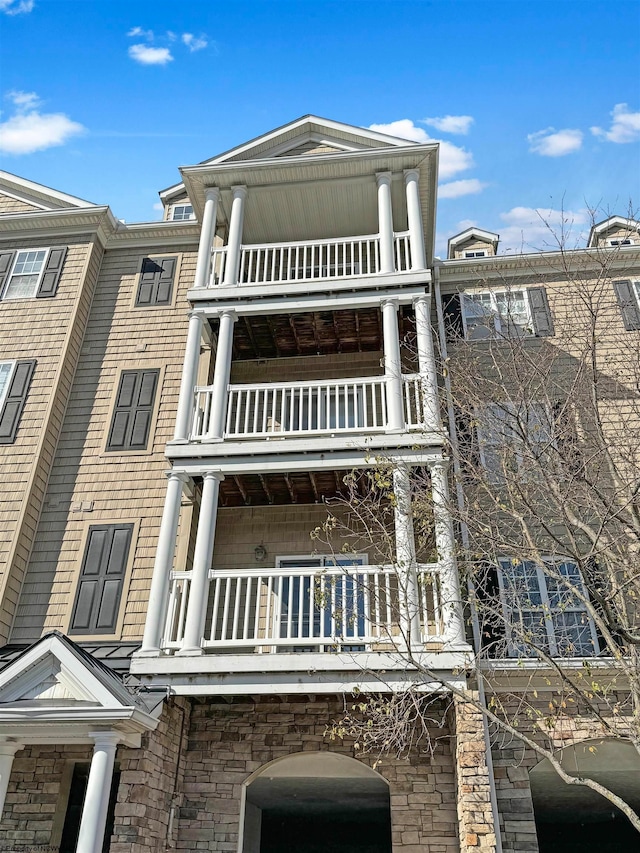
column 163, row 565
column 234, row 243
column 414, row 217
column 450, row 598
column 427, row 363
column 203, row 266
column 385, row 222
column 186, row 401
column 203, row 552
column 406, row 556
column 96, row 801
column 392, row 365
column 221, row 374
column 8, row 749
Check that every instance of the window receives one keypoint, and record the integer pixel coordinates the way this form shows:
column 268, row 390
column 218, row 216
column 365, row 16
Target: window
column 131, row 421
column 30, row 273
column 182, row 212
column 479, row 253
column 506, row 313
column 510, row 438
column 628, row 296
column 15, row 378
column 543, row 611
column 155, row 286
column 102, row 575
column 625, row 242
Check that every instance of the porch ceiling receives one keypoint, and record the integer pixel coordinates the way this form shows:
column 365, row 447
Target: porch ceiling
column 313, row 333
column 283, row 489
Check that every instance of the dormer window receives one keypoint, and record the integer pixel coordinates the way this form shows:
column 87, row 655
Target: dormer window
column 182, row 212
column 620, row 242
column 477, row 253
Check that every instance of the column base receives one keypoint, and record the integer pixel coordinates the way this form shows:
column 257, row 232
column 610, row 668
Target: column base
column 189, row 652
column 148, row 653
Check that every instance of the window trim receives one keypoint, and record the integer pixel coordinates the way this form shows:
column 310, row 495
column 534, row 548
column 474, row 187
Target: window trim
column 176, row 204
column 497, row 332
column 7, row 284
column 126, row 579
column 174, row 290
column 620, row 242
column 4, row 391
column 161, row 368
column 514, row 647
column 472, row 254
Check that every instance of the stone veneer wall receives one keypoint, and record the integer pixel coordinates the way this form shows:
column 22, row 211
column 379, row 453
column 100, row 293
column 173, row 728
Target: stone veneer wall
column 228, row 742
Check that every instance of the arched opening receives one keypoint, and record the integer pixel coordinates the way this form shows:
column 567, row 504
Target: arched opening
column 316, row 802
column 575, row 819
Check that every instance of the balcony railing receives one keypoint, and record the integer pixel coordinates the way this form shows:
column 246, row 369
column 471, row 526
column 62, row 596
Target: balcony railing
column 309, row 260
column 328, row 407
column 305, row 609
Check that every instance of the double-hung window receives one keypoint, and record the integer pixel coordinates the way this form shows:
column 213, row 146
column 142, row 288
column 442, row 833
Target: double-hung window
column 29, row 273
column 512, row 438
column 506, row 313
column 628, row 296
column 182, row 212
column 542, row 611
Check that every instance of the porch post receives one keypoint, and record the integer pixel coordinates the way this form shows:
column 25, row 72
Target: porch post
column 406, row 556
column 189, row 375
column 163, row 564
column 96, row 801
column 450, row 598
column 385, row 222
column 207, row 234
column 203, row 552
column 8, row 749
column 414, row 217
column 222, row 371
column 392, row 365
column 234, row 243
column 427, row 363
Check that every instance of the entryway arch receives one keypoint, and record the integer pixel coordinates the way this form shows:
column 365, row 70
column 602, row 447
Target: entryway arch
column 315, row 802
column 575, row 819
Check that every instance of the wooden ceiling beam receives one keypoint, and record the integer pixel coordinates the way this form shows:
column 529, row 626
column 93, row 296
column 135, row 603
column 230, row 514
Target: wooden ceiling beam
column 243, row 492
column 314, row 486
column 252, row 338
column 292, row 493
column 266, row 488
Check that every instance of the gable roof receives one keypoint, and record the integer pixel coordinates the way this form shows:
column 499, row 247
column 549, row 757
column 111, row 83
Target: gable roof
column 41, row 197
column 292, row 139
column 609, row 224
column 472, row 233
column 55, row 685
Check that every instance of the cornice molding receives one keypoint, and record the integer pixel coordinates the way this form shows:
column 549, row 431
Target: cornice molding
column 58, row 223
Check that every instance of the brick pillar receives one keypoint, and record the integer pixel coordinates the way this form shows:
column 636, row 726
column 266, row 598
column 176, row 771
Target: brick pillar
column 475, row 817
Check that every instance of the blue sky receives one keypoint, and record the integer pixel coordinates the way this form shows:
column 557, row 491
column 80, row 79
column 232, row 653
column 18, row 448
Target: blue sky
column 537, row 103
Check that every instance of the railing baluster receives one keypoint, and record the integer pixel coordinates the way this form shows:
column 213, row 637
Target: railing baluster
column 290, row 606
column 256, row 619
column 216, row 605
column 247, row 604
column 225, row 612
column 236, row 608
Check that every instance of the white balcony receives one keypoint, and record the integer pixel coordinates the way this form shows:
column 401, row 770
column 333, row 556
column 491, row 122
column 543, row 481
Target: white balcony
column 311, row 260
column 305, row 609
column 329, row 407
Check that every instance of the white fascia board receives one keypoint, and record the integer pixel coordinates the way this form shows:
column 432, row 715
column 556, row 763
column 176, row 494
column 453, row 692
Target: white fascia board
column 283, row 462
column 39, row 194
column 611, row 222
column 318, row 301
column 56, row 223
column 488, row 236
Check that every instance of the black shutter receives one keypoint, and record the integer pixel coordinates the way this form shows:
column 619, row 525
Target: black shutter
column 52, row 271
column 134, row 408
column 540, row 312
column 156, row 281
column 6, row 259
column 628, row 304
column 95, row 610
column 451, row 308
column 15, row 400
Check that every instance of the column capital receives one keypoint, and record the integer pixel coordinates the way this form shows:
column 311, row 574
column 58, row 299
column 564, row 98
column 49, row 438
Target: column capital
column 9, row 747
column 411, row 174
column 439, row 464
column 177, row 475
column 228, row 312
column 423, row 299
column 383, row 178
column 212, row 194
column 195, row 314
column 239, row 191
column 106, row 739
column 213, row 475
column 390, row 300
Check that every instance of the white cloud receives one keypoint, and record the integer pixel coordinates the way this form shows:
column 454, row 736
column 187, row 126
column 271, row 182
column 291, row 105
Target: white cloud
column 30, row 130
column 555, row 143
column 158, row 206
column 455, row 189
column 450, row 124
column 136, row 32
column 194, row 43
column 147, row 55
column 453, row 159
column 625, row 126
column 16, row 7
column 528, row 228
